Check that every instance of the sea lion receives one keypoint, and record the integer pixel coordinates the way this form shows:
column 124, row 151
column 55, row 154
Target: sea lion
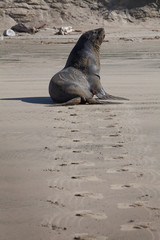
column 79, row 80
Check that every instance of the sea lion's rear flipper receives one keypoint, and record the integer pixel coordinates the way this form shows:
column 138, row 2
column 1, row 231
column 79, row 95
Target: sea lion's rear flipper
column 97, row 101
column 105, row 96
column 108, row 96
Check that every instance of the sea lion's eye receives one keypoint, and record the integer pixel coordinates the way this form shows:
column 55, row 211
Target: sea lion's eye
column 94, row 34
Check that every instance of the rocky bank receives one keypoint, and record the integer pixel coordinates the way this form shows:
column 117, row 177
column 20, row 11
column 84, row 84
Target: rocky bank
column 79, row 12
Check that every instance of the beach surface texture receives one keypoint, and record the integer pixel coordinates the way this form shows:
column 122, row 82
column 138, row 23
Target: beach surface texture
column 83, row 172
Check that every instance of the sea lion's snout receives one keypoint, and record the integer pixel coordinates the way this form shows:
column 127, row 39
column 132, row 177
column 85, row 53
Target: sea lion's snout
column 99, row 31
column 100, row 35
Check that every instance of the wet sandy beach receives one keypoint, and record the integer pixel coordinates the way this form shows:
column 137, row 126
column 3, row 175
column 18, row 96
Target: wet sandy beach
column 85, row 172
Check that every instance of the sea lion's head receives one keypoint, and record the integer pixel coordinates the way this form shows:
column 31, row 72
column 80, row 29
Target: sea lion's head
column 95, row 37
column 85, row 54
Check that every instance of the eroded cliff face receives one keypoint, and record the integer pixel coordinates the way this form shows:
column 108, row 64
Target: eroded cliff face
column 76, row 13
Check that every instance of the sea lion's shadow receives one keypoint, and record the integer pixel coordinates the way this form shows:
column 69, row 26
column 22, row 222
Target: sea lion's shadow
column 48, row 101
column 33, row 100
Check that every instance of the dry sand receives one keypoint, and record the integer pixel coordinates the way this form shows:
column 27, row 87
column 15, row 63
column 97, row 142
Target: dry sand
column 85, row 172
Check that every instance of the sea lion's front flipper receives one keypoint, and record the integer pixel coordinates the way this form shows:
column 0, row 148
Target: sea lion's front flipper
column 73, row 101
column 103, row 95
column 93, row 101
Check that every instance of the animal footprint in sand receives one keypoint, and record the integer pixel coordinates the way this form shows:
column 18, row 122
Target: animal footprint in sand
column 87, row 164
column 74, row 130
column 130, row 227
column 53, row 227
column 63, row 164
column 88, row 237
column 118, row 170
column 119, row 187
column 84, row 152
column 55, row 203
column 117, row 145
column 114, row 135
column 89, row 195
column 118, row 157
column 76, row 140
column 112, row 125
column 91, row 215
column 132, row 205
column 85, row 178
